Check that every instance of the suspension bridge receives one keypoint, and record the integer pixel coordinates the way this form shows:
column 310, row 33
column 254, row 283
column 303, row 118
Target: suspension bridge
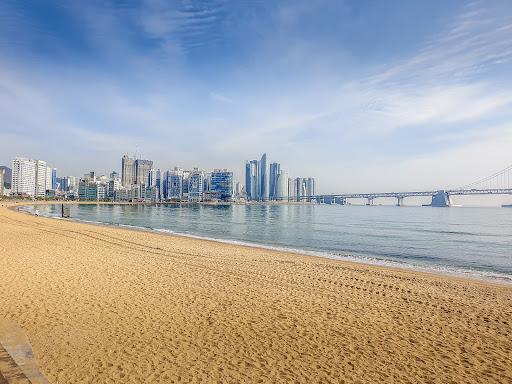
column 499, row 183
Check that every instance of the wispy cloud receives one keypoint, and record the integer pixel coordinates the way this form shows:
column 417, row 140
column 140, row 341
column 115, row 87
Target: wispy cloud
column 215, row 96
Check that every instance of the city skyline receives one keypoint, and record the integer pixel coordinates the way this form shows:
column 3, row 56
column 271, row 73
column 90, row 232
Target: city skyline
column 391, row 107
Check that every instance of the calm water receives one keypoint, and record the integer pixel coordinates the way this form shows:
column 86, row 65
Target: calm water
column 469, row 241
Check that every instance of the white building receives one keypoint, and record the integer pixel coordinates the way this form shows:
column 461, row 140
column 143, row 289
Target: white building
column 23, row 176
column 31, row 177
column 41, row 177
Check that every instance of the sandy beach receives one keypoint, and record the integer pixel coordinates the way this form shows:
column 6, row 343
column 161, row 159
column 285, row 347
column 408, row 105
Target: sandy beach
column 109, row 305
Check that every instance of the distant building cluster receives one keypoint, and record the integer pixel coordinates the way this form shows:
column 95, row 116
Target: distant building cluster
column 139, row 180
column 266, row 181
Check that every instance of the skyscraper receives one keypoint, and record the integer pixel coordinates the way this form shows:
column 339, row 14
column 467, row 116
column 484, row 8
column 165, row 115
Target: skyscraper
column 127, row 171
column 264, row 178
column 142, row 169
column 292, row 189
column 282, row 186
column 309, row 187
column 248, row 179
column 54, row 179
column 274, row 173
column 251, row 180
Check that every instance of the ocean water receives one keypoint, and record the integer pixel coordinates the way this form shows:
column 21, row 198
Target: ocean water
column 473, row 242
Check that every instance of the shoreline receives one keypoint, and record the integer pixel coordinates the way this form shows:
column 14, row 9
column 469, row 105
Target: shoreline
column 108, row 304
column 357, row 259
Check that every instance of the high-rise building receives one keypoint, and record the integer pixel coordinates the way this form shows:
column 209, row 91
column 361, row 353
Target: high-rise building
column 309, row 187
column 251, row 180
column 152, row 177
column 173, row 184
column 221, row 186
column 49, row 181
column 142, row 169
column 195, row 185
column 23, row 176
column 158, row 184
column 69, row 183
column 292, row 189
column 185, row 184
column 264, row 177
column 41, row 178
column 239, row 189
column 7, row 176
column 54, row 179
column 282, row 186
column 88, row 190
column 274, row 173
column 113, row 185
column 248, row 179
column 127, row 171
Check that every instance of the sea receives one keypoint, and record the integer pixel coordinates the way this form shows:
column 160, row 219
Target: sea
column 464, row 241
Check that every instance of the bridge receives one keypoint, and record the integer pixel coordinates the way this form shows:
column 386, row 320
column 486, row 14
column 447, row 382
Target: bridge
column 499, row 183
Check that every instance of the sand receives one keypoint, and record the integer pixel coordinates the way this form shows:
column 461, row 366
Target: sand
column 110, row 305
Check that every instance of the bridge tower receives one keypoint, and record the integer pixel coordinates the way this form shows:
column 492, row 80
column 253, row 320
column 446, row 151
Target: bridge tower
column 441, row 199
column 400, row 201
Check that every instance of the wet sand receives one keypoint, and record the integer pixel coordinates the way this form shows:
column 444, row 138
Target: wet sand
column 110, row 305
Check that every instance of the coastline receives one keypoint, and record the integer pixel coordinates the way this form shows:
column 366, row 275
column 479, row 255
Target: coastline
column 109, row 304
column 364, row 259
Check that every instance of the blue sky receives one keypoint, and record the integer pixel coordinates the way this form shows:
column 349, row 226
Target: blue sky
column 364, row 95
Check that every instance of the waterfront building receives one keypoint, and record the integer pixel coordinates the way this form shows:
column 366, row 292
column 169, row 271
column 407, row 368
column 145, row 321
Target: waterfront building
column 151, row 178
column 159, row 184
column 185, row 184
column 41, row 178
column 127, row 171
column 23, row 176
column 248, row 179
column 87, row 190
column 301, row 189
column 114, row 185
column 207, row 182
column 274, row 174
column 7, row 176
column 195, row 185
column 54, row 179
column 310, row 187
column 282, row 186
column 69, row 183
column 173, row 183
column 101, row 191
column 142, row 169
column 292, row 189
column 239, row 190
column 264, row 177
column 251, row 180
column 221, row 186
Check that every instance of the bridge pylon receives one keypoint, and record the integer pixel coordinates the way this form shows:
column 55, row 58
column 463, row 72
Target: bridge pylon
column 400, row 201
